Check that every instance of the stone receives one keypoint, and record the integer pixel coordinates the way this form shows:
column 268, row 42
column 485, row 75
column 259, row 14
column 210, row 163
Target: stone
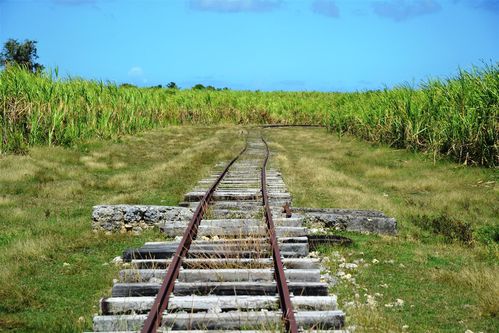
column 151, row 216
column 364, row 221
column 117, row 260
column 113, row 218
column 132, row 215
column 108, row 226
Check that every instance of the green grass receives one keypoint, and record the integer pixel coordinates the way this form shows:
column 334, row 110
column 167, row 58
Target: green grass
column 45, row 217
column 444, row 287
column 456, row 117
column 448, row 283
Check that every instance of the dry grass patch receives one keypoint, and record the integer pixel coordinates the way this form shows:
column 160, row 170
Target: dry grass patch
column 378, row 172
column 123, row 181
column 30, row 249
column 91, row 163
column 481, row 280
column 123, row 198
column 5, row 200
column 368, row 319
column 17, row 168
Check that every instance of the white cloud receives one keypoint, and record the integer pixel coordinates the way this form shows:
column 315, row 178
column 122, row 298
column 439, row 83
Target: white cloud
column 75, row 2
column 136, row 72
column 235, row 6
column 401, row 10
column 326, row 7
column 137, row 76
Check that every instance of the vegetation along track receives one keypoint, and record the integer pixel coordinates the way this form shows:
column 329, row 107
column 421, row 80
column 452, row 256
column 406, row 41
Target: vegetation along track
column 241, row 263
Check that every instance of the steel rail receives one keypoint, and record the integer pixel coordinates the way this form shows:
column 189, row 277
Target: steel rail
column 154, row 317
column 280, row 278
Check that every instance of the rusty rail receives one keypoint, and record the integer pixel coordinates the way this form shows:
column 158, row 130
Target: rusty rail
column 153, row 320
column 280, row 277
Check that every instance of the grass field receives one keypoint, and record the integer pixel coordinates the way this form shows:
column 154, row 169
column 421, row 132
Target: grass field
column 53, row 268
column 446, row 282
column 47, row 196
column 456, row 117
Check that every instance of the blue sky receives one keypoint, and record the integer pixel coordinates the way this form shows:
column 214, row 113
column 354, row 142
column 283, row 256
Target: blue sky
column 324, row 45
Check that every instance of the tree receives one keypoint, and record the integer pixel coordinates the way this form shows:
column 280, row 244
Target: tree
column 127, row 85
column 198, row 86
column 23, row 54
column 172, row 85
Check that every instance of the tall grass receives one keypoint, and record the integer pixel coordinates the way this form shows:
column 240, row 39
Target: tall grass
column 456, row 117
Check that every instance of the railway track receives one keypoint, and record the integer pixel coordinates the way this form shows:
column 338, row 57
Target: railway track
column 241, row 263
